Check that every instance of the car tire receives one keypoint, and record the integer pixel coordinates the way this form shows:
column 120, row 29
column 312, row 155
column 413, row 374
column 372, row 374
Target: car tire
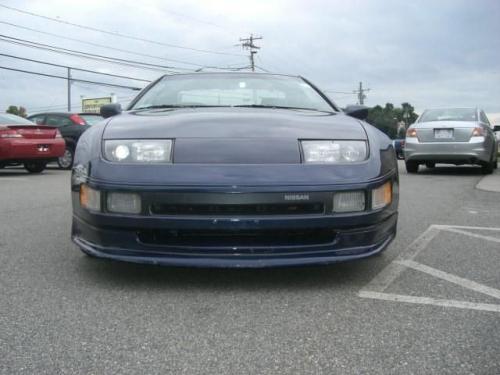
column 66, row 161
column 430, row 164
column 411, row 167
column 488, row 168
column 35, row 166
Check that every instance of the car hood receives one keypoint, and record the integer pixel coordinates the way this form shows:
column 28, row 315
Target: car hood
column 233, row 123
column 234, row 135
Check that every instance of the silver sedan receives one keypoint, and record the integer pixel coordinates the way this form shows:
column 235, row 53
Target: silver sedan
column 452, row 136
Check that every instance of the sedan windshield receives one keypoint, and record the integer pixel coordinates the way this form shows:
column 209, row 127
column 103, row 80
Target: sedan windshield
column 449, row 114
column 233, row 90
column 8, row 119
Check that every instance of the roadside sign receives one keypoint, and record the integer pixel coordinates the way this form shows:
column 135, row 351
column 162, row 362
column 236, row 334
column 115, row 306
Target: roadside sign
column 93, row 105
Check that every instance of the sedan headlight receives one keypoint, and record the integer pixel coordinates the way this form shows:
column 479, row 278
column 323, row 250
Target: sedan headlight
column 138, row 151
column 334, row 151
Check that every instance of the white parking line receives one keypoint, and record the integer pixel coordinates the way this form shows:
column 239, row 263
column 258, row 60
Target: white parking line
column 475, row 235
column 394, row 269
column 468, row 284
column 430, row 301
column 375, row 288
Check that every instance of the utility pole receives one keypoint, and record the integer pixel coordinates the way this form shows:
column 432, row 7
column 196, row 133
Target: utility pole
column 361, row 93
column 69, row 89
column 248, row 44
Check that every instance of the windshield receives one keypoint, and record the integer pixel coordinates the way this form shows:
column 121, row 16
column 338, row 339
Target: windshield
column 233, row 90
column 449, row 114
column 91, row 119
column 8, row 119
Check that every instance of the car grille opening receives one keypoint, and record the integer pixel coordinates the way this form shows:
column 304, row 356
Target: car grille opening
column 238, row 209
column 237, row 237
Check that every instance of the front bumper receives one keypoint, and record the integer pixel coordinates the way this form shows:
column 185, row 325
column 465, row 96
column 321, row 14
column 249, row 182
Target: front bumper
column 446, row 152
column 235, row 240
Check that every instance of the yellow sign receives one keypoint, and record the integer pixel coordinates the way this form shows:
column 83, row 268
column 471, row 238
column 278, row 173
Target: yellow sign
column 93, row 105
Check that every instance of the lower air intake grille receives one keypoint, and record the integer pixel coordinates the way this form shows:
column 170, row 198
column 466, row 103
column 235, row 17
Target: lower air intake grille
column 238, row 209
column 236, row 238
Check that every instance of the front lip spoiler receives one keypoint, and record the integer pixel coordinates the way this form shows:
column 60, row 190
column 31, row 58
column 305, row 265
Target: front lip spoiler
column 224, row 262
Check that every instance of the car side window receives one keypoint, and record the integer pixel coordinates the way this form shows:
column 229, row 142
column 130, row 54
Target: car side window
column 57, row 121
column 484, row 119
column 38, row 119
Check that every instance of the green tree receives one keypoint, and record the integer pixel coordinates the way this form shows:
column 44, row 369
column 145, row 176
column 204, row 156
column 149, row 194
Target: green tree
column 389, row 117
column 18, row 111
column 13, row 110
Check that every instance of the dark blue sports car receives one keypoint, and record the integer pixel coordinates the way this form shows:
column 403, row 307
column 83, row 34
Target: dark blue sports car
column 234, row 170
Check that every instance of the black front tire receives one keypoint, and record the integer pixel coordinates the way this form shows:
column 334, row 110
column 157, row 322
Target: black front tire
column 35, row 166
column 66, row 161
column 411, row 167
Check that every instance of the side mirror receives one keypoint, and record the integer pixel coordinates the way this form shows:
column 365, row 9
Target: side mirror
column 496, row 128
column 357, row 111
column 109, row 110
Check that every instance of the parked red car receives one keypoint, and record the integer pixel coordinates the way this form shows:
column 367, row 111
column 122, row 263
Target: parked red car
column 24, row 142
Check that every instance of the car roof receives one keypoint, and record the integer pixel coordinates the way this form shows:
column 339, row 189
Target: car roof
column 434, row 108
column 233, row 73
column 53, row 113
column 64, row 113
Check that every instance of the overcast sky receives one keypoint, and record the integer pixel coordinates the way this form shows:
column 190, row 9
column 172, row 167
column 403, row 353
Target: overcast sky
column 429, row 53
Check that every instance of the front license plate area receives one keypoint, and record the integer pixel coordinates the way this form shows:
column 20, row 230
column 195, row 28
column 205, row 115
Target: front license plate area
column 43, row 148
column 443, row 133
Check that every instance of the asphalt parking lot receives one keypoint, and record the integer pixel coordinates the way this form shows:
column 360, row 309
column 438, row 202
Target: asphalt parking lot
column 429, row 305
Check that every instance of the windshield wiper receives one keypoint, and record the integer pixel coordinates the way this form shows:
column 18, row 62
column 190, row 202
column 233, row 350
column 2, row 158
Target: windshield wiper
column 280, row 107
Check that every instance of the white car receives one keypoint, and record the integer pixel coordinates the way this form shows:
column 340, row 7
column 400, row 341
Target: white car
column 451, row 136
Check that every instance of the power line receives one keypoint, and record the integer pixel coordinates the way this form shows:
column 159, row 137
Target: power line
column 114, row 33
column 360, row 93
column 86, row 57
column 93, row 55
column 74, row 68
column 340, row 92
column 95, row 44
column 263, row 69
column 72, row 79
column 108, row 59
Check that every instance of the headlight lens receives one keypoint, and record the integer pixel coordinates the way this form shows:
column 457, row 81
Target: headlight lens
column 334, row 151
column 138, row 151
